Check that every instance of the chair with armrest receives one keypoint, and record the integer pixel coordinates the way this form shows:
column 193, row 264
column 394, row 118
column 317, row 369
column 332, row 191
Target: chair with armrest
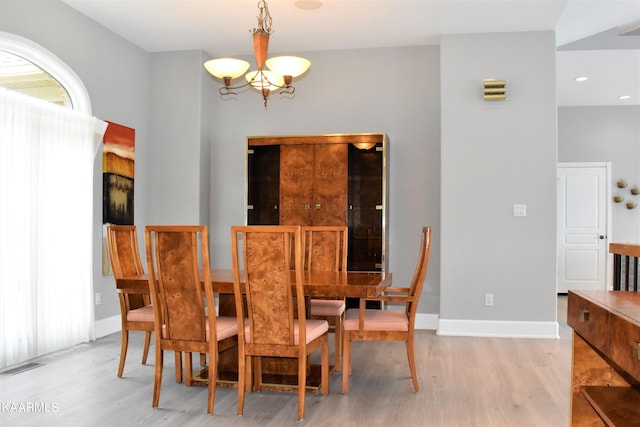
column 261, row 260
column 136, row 312
column 325, row 249
column 362, row 324
column 178, row 267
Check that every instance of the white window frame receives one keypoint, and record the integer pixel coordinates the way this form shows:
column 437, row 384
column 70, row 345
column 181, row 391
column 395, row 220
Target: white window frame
column 51, row 64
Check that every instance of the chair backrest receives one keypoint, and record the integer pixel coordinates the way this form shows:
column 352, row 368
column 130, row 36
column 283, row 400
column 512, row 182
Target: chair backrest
column 124, row 255
column 262, row 254
column 325, row 248
column 178, row 264
column 420, row 273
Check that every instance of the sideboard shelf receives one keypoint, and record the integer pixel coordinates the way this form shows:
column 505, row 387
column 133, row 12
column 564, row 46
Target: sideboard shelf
column 606, row 365
column 616, row 406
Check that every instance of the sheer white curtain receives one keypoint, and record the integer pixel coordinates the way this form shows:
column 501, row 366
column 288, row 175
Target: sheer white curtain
column 46, row 210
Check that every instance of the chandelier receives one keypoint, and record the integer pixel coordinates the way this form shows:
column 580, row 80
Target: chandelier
column 280, row 70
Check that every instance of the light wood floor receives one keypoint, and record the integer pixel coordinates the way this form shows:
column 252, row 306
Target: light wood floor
column 464, row 382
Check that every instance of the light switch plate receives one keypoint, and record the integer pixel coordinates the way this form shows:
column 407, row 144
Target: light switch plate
column 519, row 210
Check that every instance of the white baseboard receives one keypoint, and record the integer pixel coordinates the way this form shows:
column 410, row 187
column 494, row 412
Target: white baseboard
column 108, row 326
column 426, row 321
column 497, row 328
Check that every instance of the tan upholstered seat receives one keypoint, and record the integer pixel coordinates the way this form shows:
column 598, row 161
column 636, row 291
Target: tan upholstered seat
column 362, row 324
column 261, row 260
column 326, row 250
column 179, row 267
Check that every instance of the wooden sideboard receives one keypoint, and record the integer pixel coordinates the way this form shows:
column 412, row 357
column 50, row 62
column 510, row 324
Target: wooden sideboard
column 606, row 361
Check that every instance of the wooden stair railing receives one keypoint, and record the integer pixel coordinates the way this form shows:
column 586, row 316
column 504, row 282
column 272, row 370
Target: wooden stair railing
column 625, row 266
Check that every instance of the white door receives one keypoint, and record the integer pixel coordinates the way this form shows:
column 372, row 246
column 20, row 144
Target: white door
column 583, row 225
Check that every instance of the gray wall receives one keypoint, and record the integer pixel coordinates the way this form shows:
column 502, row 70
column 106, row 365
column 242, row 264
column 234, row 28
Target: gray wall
column 179, row 161
column 116, row 74
column 334, row 97
column 494, row 155
column 606, row 134
column 132, row 87
column 190, row 159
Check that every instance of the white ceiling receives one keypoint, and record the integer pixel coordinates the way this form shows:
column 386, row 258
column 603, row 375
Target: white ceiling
column 586, row 31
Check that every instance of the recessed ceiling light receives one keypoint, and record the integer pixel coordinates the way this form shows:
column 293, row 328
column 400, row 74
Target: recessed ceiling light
column 308, row 4
column 622, row 97
column 581, row 79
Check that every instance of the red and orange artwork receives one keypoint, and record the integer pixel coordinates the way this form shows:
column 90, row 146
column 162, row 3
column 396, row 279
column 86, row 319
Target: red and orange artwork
column 118, row 166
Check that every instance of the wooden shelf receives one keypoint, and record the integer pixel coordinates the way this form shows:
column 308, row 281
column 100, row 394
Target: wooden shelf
column 616, row 406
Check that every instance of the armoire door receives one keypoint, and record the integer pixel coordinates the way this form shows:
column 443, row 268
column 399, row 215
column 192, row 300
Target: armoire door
column 263, row 185
column 313, row 184
column 365, row 209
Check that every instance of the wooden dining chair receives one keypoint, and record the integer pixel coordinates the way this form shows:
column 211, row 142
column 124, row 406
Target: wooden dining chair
column 276, row 323
column 178, row 267
column 136, row 312
column 325, row 249
column 362, row 324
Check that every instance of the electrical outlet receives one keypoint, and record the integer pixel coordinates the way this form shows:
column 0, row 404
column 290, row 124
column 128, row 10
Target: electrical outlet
column 519, row 210
column 488, row 299
column 98, row 298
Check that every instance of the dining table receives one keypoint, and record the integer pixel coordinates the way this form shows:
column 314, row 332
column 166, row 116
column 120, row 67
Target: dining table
column 278, row 374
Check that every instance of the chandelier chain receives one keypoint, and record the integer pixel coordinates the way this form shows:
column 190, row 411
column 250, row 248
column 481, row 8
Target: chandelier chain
column 264, row 20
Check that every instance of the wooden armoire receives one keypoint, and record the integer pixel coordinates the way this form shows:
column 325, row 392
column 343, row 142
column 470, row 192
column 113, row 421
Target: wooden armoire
column 323, row 180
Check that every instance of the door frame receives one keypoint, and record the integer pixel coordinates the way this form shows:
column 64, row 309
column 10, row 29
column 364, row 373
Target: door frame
column 608, row 219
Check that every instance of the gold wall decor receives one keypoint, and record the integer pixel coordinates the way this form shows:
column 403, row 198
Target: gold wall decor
column 494, row 90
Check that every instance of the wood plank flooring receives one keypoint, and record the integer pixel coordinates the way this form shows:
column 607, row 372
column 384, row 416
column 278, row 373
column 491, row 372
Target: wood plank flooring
column 464, row 381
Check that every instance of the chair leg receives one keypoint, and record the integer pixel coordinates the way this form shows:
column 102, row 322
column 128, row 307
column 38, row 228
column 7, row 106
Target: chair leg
column 346, row 361
column 412, row 364
column 147, row 343
column 178, row 363
column 302, row 385
column 338, row 347
column 257, row 373
column 188, row 368
column 123, row 349
column 213, row 375
column 157, row 380
column 248, row 366
column 324, row 372
column 242, row 376
column 203, row 359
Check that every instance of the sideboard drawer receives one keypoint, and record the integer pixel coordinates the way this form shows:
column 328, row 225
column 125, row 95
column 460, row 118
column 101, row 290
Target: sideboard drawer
column 625, row 344
column 589, row 320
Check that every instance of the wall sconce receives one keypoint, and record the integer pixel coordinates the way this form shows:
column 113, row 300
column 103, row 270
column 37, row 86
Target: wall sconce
column 494, row 90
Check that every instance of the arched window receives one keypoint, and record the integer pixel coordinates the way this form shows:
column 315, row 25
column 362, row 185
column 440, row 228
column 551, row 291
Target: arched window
column 47, row 156
column 31, row 69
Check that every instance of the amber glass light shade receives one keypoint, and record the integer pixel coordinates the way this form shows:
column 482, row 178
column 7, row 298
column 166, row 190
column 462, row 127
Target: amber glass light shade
column 226, row 67
column 288, row 65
